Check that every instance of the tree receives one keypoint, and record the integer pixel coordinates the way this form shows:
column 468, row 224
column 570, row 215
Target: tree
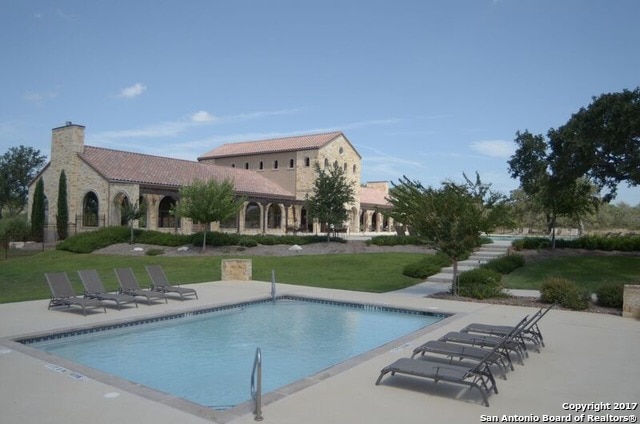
column 556, row 193
column 37, row 212
column 131, row 212
column 452, row 217
column 208, row 201
column 18, row 167
column 331, row 192
column 601, row 142
column 62, row 217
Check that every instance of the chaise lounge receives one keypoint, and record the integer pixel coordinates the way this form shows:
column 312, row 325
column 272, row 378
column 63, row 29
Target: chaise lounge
column 94, row 289
column 531, row 331
column 62, row 293
column 478, row 376
column 129, row 285
column 160, row 282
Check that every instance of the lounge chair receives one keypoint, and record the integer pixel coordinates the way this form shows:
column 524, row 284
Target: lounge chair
column 455, row 351
column 531, row 331
column 160, row 282
column 452, row 351
column 514, row 342
column 477, row 376
column 129, row 285
column 62, row 293
column 94, row 289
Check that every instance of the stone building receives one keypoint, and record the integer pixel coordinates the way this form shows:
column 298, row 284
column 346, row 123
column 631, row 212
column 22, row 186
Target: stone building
column 274, row 176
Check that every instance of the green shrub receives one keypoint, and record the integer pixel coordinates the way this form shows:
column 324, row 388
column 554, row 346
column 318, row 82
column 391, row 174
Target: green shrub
column 397, row 241
column 564, row 292
column 15, row 228
column 154, row 252
column 480, row 283
column 505, row 264
column 93, row 240
column 611, row 295
column 248, row 242
column 161, row 239
column 625, row 243
column 428, row 265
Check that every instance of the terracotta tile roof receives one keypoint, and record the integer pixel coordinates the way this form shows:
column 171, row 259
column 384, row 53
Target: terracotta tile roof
column 276, row 145
column 373, row 197
column 116, row 165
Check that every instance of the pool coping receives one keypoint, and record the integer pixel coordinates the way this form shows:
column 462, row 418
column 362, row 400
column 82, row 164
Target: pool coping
column 77, row 370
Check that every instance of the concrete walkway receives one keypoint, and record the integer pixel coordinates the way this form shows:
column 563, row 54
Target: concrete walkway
column 441, row 282
column 588, row 359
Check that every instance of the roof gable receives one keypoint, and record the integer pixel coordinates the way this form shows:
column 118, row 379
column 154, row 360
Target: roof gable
column 116, row 165
column 275, row 145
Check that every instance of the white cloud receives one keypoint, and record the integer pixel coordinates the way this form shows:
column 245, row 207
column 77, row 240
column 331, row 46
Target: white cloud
column 202, row 116
column 494, row 148
column 40, row 97
column 133, row 91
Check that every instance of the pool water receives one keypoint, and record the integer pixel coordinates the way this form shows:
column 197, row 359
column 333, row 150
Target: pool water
column 208, row 358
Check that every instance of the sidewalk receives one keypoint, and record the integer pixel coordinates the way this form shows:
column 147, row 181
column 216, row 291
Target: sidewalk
column 441, row 282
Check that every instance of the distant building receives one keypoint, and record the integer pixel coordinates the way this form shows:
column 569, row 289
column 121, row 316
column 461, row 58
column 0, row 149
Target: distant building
column 273, row 175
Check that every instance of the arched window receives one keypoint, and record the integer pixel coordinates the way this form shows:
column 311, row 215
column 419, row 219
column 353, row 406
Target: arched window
column 354, row 169
column 274, row 216
column 166, row 218
column 90, row 210
column 252, row 216
column 307, row 162
column 336, row 165
column 326, row 162
column 344, row 167
column 275, row 164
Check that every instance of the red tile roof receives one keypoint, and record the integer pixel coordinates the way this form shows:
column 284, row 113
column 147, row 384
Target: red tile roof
column 276, row 145
column 371, row 196
column 116, row 165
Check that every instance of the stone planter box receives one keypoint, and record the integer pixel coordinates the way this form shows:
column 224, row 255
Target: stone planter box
column 236, row 269
column 631, row 305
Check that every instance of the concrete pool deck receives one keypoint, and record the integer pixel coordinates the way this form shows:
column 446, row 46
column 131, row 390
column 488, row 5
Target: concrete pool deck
column 589, row 359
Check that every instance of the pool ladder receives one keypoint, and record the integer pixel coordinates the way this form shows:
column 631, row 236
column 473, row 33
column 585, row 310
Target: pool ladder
column 256, row 385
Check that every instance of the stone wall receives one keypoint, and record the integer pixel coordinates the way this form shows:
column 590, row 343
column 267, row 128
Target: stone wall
column 631, row 305
column 236, row 270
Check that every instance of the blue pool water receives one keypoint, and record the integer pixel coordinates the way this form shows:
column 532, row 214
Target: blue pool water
column 208, row 358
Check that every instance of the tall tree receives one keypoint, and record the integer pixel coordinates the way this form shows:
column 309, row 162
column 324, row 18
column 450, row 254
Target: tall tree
column 62, row 217
column 452, row 217
column 37, row 212
column 557, row 194
column 331, row 194
column 601, row 142
column 18, row 167
column 132, row 212
column 208, row 201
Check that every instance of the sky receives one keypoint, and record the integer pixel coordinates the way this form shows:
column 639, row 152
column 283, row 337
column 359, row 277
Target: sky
column 430, row 89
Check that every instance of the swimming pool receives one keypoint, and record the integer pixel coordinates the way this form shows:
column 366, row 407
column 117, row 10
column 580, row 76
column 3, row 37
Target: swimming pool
column 206, row 356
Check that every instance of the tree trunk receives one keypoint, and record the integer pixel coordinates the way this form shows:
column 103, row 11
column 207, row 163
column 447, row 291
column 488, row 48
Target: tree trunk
column 454, row 282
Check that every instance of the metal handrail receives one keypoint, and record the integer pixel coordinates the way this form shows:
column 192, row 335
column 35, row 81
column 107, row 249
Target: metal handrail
column 256, row 385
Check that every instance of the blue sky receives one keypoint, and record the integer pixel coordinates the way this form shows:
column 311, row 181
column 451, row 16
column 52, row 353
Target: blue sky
column 429, row 89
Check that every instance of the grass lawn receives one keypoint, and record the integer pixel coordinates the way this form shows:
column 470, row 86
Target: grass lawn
column 589, row 272
column 22, row 278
